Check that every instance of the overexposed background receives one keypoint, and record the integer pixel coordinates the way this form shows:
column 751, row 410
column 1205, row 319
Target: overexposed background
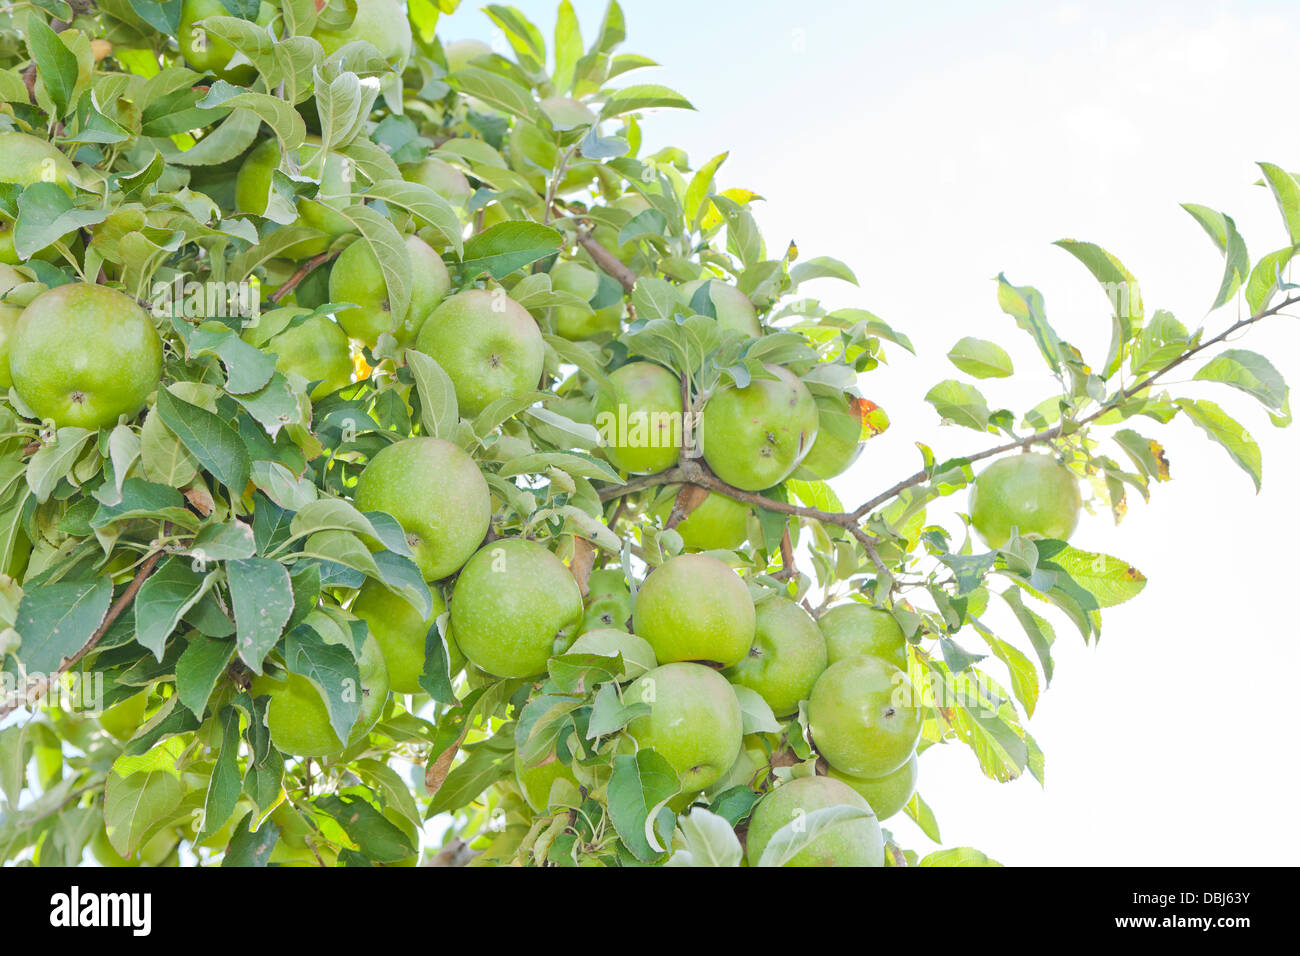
column 931, row 146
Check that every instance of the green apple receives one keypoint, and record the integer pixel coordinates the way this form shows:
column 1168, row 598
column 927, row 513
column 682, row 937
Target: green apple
column 437, row 494
column 381, row 23
column 718, row 523
column 253, row 181
column 358, row 278
column 732, row 307
column 609, row 600
column 85, row 355
column 609, row 611
column 695, row 608
column 1034, row 494
column 638, row 655
column 317, row 349
column 694, row 721
column 400, row 632
column 864, row 716
column 575, row 323
column 298, row 719
column 488, row 345
column 9, row 313
column 607, row 581
column 754, row 437
column 515, row 605
column 207, row 52
column 853, row 628
column 838, row 444
column 787, row 657
column 535, row 782
column 125, row 717
column 26, row 159
column 847, row 843
column 888, row 794
column 640, row 424
column 442, row 177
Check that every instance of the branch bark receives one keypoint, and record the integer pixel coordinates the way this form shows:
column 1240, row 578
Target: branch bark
column 38, row 689
column 608, row 262
column 302, row 272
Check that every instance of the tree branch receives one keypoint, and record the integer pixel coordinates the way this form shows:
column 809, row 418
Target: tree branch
column 1069, row 428
column 693, row 472
column 39, row 688
column 303, row 271
column 608, row 262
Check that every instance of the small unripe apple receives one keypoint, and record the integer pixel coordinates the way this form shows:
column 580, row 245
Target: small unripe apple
column 864, row 716
column 847, row 843
column 695, row 608
column 694, row 721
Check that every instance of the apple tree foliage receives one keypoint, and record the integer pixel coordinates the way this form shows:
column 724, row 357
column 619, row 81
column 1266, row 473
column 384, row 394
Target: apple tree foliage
column 180, row 552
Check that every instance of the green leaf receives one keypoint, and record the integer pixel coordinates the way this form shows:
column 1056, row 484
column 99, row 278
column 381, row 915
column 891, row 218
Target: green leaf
column 1025, row 305
column 524, row 37
column 1266, row 278
column 1121, row 290
column 1287, row 193
column 923, row 816
column 56, row 620
column 958, row 856
column 1216, row 423
column 283, row 119
column 165, row 595
column 225, row 784
column 710, row 841
column 638, row 788
column 215, row 444
column 508, row 246
column 497, row 91
column 1110, row 580
column 1039, row 630
column 1250, row 372
column 333, row 669
column 45, row 215
column 251, row 847
column 821, row 267
column 54, row 460
column 262, row 596
column 439, row 410
column 55, row 63
column 199, row 667
column 980, row 358
column 792, row 838
column 643, row 96
column 423, row 203
column 755, row 713
column 1160, row 342
column 378, row 838
column 568, row 46
column 1223, row 231
column 960, row 403
column 436, row 677
column 141, row 791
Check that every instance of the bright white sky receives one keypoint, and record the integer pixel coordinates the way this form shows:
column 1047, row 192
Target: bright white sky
column 931, row 146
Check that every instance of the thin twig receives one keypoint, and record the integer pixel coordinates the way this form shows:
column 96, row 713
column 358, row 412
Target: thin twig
column 303, row 271
column 39, row 688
